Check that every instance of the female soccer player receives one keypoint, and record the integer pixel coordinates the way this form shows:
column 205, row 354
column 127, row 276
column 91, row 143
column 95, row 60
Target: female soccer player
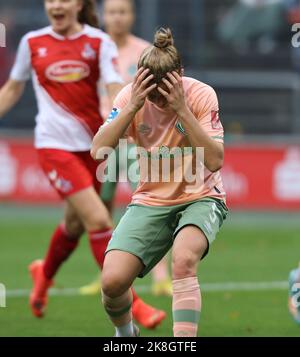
column 66, row 60
column 184, row 210
column 119, row 17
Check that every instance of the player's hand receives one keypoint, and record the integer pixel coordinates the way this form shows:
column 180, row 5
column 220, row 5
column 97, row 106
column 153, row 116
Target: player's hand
column 141, row 88
column 175, row 94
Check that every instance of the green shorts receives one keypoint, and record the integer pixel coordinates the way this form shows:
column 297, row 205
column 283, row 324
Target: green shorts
column 149, row 232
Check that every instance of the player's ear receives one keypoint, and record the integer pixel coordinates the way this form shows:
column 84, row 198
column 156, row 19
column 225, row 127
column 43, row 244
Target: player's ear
column 181, row 73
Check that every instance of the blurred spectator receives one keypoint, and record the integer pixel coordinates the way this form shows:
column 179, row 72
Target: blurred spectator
column 257, row 22
column 293, row 16
column 6, row 54
column 293, row 10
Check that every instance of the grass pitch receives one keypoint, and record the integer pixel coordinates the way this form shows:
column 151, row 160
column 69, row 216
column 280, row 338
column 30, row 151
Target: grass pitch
column 243, row 278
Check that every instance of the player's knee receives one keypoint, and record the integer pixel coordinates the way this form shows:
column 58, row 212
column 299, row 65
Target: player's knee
column 113, row 285
column 98, row 221
column 74, row 227
column 184, row 265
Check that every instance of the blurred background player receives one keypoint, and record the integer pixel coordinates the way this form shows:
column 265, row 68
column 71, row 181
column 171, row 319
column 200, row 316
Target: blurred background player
column 294, row 294
column 119, row 18
column 66, row 60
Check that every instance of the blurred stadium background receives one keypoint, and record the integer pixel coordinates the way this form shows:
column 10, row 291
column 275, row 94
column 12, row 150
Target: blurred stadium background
column 245, row 53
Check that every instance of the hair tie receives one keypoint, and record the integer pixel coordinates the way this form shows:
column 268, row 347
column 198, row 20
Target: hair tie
column 158, row 46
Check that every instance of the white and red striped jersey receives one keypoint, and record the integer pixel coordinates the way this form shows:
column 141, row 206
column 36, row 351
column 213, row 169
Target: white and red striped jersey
column 65, row 73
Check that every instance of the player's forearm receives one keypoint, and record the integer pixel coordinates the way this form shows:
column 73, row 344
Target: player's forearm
column 10, row 94
column 213, row 151
column 109, row 135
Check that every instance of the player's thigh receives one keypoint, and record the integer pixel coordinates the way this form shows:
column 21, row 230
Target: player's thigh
column 207, row 215
column 189, row 246
column 90, row 209
column 144, row 232
column 197, row 228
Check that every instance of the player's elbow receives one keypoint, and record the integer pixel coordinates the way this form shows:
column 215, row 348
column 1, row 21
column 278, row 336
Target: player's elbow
column 216, row 163
column 93, row 152
column 215, row 166
column 96, row 145
column 95, row 149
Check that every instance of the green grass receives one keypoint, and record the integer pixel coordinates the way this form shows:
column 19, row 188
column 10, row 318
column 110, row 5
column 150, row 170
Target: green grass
column 250, row 248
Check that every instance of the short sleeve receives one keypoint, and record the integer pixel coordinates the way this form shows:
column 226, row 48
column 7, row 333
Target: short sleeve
column 207, row 112
column 109, row 63
column 21, row 70
column 119, row 104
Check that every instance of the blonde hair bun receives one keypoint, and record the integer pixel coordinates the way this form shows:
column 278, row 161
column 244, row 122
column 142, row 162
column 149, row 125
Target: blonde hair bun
column 163, row 38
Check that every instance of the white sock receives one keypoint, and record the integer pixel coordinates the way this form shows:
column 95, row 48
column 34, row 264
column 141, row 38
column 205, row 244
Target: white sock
column 125, row 331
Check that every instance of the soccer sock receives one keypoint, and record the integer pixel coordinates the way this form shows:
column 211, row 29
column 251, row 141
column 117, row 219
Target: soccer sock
column 119, row 312
column 98, row 243
column 126, row 330
column 186, row 307
column 61, row 246
column 160, row 271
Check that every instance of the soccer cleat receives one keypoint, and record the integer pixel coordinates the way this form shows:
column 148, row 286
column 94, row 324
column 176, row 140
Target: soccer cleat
column 93, row 288
column 146, row 315
column 38, row 297
column 162, row 288
column 294, row 306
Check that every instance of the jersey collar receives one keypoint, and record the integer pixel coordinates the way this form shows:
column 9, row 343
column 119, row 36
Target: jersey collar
column 72, row 37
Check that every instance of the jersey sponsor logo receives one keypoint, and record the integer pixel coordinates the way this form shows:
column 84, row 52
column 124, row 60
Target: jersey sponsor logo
column 215, row 120
column 88, row 52
column 180, row 128
column 68, row 71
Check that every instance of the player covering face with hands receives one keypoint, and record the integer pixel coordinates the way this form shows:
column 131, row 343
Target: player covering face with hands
column 179, row 113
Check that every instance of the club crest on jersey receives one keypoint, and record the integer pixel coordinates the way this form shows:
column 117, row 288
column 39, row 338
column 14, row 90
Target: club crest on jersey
column 88, row 52
column 67, row 71
column 215, row 120
column 180, row 128
column 42, row 52
column 144, row 129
